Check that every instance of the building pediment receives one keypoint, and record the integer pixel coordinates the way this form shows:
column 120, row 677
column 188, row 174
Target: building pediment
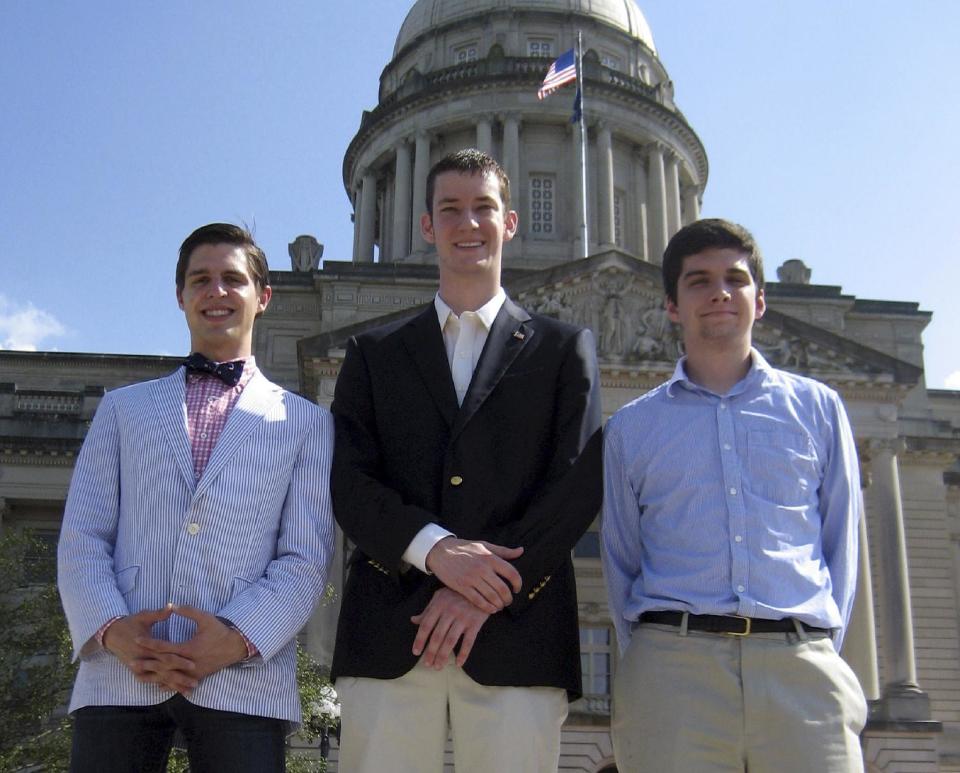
column 620, row 299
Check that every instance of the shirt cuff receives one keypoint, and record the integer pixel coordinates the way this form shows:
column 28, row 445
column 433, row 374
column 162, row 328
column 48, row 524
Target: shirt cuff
column 420, row 545
column 252, row 650
column 89, row 649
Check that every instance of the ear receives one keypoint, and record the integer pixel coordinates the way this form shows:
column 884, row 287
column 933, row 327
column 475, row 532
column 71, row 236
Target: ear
column 265, row 295
column 426, row 228
column 761, row 304
column 510, row 222
column 180, row 298
column 673, row 313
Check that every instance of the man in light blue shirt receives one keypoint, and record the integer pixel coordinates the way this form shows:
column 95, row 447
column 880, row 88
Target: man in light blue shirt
column 730, row 522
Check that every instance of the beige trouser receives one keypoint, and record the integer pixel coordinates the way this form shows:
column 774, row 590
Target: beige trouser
column 400, row 725
column 764, row 703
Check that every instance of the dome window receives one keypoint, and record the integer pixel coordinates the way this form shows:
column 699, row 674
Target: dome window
column 541, row 205
column 543, row 47
column 466, row 52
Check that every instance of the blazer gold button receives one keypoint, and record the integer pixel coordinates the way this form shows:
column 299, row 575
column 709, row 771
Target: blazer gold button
column 456, row 480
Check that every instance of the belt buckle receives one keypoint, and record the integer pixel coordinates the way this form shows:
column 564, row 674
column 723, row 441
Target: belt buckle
column 746, row 628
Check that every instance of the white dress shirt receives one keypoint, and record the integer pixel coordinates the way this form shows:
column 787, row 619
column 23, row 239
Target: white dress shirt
column 464, row 338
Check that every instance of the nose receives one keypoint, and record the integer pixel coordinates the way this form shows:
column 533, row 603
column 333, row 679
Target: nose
column 216, row 289
column 722, row 294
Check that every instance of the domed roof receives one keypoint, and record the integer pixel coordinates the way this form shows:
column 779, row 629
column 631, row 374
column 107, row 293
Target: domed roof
column 426, row 14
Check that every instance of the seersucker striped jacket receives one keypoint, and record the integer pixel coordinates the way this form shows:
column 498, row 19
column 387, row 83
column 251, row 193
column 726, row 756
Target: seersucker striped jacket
column 250, row 540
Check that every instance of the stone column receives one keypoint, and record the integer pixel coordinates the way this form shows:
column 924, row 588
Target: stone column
column 860, row 643
column 421, row 167
column 657, row 203
column 511, row 165
column 672, row 173
column 401, row 204
column 691, row 204
column 368, row 217
column 901, row 699
column 485, row 135
column 356, row 223
column 640, row 214
column 4, row 510
column 511, row 149
column 605, row 224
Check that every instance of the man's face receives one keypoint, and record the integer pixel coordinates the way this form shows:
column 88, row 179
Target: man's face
column 221, row 300
column 717, row 299
column 468, row 223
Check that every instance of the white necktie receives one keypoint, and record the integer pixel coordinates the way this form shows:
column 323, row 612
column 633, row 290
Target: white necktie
column 462, row 366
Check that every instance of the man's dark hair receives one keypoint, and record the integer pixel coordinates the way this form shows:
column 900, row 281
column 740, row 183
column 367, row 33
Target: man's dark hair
column 468, row 161
column 702, row 235
column 224, row 233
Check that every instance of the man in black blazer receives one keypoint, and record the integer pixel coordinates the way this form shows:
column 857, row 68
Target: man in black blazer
column 466, row 467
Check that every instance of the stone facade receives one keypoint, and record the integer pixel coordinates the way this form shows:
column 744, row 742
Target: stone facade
column 466, row 73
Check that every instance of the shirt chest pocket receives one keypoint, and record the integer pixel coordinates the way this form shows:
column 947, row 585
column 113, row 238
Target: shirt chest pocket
column 783, row 467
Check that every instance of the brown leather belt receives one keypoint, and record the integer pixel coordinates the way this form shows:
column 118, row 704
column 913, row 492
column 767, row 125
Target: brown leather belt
column 734, row 625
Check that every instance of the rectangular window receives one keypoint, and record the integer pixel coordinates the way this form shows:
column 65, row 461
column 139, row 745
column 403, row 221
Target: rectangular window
column 611, row 61
column 465, row 53
column 541, row 204
column 596, row 660
column 539, row 47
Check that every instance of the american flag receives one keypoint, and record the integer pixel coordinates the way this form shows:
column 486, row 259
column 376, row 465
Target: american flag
column 563, row 70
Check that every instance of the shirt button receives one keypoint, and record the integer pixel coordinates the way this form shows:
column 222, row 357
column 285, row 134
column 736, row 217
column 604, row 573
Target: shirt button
column 456, row 480
column 726, row 446
column 740, row 589
column 723, row 406
column 193, row 529
column 738, row 538
column 733, row 491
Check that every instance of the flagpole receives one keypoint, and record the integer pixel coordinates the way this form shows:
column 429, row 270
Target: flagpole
column 584, row 230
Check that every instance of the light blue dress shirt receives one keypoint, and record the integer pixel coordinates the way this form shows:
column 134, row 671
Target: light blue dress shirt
column 746, row 503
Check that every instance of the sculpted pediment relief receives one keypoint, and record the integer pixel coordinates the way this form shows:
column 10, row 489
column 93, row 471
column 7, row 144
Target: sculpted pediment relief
column 623, row 309
column 621, row 300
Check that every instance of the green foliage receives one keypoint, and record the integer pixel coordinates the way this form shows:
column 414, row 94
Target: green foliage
column 320, row 709
column 35, row 653
column 36, row 672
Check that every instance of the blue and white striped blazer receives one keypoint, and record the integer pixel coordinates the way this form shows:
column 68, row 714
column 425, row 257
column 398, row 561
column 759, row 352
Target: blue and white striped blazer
column 250, row 540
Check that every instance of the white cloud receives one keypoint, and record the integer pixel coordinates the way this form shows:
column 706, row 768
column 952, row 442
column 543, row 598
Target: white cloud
column 24, row 326
column 953, row 380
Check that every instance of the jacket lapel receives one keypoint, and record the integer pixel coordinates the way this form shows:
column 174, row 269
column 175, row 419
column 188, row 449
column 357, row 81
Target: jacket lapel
column 257, row 398
column 423, row 340
column 170, row 397
column 507, row 337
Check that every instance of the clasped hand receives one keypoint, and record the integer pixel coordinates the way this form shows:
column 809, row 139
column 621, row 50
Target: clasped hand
column 175, row 666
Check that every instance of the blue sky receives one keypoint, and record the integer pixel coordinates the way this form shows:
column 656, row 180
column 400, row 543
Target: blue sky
column 831, row 127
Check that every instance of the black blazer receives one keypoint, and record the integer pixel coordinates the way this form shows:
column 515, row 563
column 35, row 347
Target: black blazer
column 518, row 464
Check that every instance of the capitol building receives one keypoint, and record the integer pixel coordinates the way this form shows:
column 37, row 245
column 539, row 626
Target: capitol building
column 465, row 73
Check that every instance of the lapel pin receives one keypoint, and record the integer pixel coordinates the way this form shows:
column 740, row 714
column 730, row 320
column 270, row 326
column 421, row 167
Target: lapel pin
column 518, row 335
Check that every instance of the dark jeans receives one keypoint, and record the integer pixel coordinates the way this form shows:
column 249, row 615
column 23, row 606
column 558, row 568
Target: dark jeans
column 137, row 739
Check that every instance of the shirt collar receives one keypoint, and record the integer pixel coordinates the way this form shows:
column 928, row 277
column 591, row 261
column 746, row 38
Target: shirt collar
column 487, row 313
column 759, row 367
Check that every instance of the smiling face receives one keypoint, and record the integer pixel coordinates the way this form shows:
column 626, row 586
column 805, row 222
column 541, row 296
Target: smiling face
column 468, row 224
column 717, row 300
column 221, row 299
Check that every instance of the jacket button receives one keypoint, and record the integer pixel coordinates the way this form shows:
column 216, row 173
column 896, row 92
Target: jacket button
column 456, row 480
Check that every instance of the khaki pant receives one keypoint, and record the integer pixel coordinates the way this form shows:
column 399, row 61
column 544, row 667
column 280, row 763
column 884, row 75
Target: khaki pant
column 401, row 725
column 764, row 703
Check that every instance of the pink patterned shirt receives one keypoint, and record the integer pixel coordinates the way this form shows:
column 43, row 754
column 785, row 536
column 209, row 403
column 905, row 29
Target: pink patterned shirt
column 209, row 402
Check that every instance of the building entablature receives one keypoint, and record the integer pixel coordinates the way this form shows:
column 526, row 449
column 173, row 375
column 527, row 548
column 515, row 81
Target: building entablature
column 620, row 299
